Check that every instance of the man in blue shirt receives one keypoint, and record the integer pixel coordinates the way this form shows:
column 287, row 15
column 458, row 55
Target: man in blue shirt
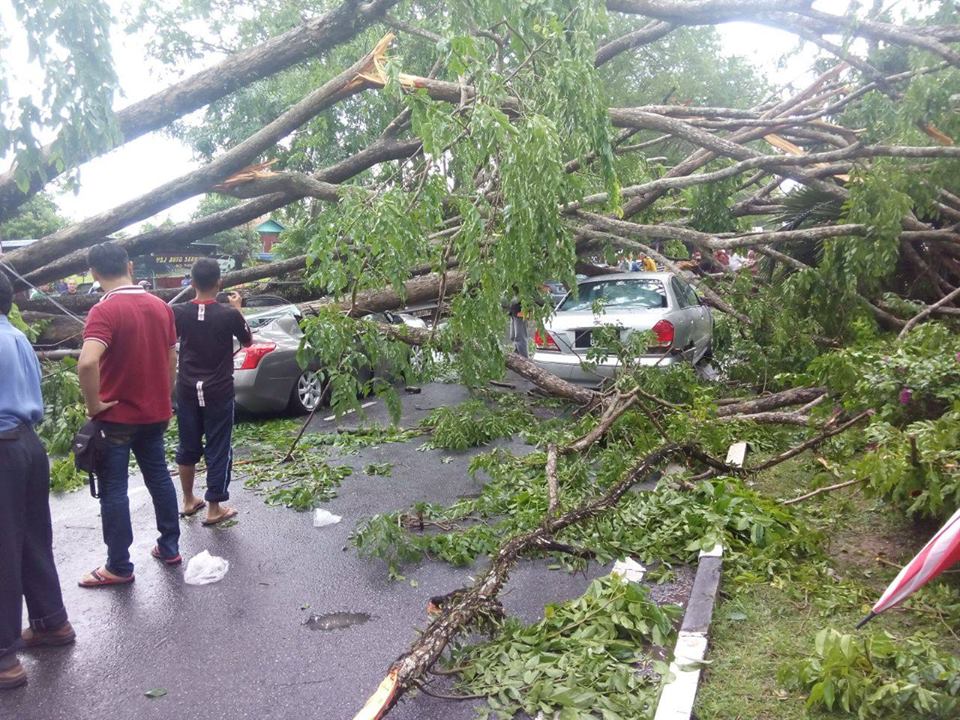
column 26, row 538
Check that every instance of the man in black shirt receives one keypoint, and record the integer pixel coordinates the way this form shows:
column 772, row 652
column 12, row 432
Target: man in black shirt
column 206, row 330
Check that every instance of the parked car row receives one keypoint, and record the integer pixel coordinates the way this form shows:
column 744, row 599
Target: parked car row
column 268, row 379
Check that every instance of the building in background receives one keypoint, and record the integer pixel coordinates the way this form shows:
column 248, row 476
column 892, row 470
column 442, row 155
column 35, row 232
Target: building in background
column 269, row 232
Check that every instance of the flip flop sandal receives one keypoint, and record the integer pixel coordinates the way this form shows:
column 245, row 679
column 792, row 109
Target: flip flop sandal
column 100, row 580
column 229, row 515
column 194, row 510
column 175, row 560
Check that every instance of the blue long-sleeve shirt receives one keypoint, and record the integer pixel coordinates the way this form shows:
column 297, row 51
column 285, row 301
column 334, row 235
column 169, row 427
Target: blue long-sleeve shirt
column 20, row 399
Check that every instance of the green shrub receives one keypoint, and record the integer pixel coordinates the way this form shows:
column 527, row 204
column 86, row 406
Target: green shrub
column 916, row 468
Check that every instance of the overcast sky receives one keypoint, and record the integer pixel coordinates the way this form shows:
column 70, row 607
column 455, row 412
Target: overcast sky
column 137, row 167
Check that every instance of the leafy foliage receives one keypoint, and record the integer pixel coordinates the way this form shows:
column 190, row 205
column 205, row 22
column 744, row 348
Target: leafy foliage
column 300, row 485
column 65, row 409
column 878, row 676
column 473, row 423
column 68, row 44
column 916, row 378
column 64, row 476
column 36, row 218
column 917, row 467
column 579, row 661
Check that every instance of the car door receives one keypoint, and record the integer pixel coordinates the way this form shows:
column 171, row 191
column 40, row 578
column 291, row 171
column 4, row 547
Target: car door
column 686, row 317
column 702, row 326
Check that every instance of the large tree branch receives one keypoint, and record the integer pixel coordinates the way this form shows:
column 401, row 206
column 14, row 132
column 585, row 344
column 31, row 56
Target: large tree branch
column 347, row 83
column 383, row 150
column 643, row 36
column 308, row 40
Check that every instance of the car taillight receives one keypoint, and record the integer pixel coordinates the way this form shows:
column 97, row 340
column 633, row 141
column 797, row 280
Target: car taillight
column 544, row 341
column 663, row 331
column 249, row 357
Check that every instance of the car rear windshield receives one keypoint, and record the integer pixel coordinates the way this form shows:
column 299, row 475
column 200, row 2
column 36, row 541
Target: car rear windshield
column 640, row 293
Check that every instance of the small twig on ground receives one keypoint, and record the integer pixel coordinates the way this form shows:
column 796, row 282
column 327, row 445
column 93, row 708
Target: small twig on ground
column 551, row 472
column 497, row 383
column 303, row 428
column 818, row 491
column 614, row 410
column 422, row 687
column 813, row 442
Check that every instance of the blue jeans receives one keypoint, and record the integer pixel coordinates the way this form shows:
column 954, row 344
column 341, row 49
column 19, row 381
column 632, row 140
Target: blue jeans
column 26, row 552
column 146, row 442
column 213, row 422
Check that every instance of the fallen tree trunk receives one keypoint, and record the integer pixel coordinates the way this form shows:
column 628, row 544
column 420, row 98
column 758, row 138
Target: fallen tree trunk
column 794, row 396
column 465, row 607
column 416, row 290
column 308, row 40
column 59, row 331
column 349, row 82
column 83, row 303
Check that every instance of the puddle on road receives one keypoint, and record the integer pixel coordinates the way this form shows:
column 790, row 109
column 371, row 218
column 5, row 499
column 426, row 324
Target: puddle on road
column 335, row 620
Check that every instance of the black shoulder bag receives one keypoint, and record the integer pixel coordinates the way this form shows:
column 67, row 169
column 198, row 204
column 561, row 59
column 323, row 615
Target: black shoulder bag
column 86, row 449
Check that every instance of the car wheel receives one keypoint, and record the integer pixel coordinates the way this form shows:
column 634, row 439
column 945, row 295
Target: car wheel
column 309, row 392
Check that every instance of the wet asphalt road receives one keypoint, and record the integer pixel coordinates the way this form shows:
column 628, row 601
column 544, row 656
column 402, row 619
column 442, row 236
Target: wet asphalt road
column 240, row 648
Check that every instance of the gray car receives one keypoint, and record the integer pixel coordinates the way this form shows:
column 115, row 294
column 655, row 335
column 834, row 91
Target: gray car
column 266, row 375
column 660, row 302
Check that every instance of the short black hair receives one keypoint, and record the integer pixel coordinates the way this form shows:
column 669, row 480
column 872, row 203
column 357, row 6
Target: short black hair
column 109, row 259
column 205, row 274
column 6, row 294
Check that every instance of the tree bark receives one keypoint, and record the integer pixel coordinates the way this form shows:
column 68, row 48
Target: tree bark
column 416, row 290
column 794, row 396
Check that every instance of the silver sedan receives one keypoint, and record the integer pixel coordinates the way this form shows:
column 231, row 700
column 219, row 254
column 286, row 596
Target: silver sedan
column 658, row 302
column 266, row 375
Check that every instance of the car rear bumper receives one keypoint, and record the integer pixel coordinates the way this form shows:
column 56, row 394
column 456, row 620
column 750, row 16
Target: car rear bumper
column 264, row 396
column 570, row 367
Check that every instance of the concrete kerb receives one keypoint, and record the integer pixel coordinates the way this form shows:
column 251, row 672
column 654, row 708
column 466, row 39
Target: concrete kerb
column 680, row 692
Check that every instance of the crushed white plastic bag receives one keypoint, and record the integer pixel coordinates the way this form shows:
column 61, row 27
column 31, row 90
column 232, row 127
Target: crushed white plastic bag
column 322, row 518
column 629, row 569
column 205, row 568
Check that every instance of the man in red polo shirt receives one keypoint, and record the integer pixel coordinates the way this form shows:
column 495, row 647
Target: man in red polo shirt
column 126, row 371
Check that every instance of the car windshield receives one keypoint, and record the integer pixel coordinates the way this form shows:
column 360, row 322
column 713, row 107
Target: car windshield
column 639, row 293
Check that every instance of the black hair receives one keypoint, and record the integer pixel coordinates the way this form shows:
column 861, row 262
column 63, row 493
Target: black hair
column 109, row 259
column 6, row 294
column 205, row 274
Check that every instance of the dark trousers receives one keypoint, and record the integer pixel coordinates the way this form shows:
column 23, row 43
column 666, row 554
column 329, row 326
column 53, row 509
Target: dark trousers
column 213, row 423
column 26, row 541
column 113, row 461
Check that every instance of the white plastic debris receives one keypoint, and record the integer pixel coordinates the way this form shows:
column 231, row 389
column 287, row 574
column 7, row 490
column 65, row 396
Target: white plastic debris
column 629, row 569
column 205, row 568
column 322, row 518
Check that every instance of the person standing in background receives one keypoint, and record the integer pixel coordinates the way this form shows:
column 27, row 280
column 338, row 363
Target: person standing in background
column 205, row 397
column 27, row 569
